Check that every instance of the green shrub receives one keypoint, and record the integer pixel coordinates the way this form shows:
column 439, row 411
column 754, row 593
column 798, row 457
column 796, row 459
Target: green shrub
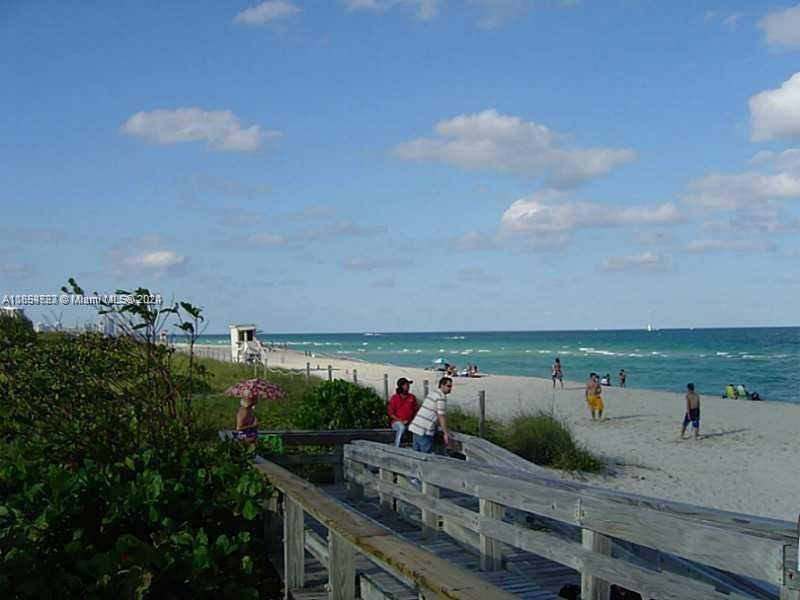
column 544, row 440
column 173, row 523
column 340, row 404
column 466, row 422
column 15, row 330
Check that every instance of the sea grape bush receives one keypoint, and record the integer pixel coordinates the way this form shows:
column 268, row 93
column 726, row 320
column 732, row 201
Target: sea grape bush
column 340, row 404
column 176, row 522
column 106, row 490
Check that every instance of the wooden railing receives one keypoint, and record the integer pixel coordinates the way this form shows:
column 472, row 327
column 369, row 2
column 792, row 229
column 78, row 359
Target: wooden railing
column 335, row 439
column 350, row 534
column 752, row 547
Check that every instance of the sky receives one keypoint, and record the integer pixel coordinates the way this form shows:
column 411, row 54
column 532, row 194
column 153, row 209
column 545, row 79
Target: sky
column 406, row 165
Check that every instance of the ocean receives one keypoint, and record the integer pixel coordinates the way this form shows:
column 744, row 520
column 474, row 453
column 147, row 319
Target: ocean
column 765, row 359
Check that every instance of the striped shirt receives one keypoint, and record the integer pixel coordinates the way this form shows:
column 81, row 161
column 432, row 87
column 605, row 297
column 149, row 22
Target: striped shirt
column 427, row 416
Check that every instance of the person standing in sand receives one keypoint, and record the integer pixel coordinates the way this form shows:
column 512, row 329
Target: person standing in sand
column 558, row 373
column 593, row 396
column 692, row 412
column 622, row 377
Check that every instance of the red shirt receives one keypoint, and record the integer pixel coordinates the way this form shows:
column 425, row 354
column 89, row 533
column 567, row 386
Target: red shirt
column 402, row 407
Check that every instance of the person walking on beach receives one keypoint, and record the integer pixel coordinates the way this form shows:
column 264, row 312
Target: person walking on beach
column 593, row 396
column 622, row 377
column 402, row 408
column 432, row 415
column 558, row 373
column 692, row 412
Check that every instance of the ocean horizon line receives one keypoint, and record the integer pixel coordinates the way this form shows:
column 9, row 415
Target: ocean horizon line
column 592, row 330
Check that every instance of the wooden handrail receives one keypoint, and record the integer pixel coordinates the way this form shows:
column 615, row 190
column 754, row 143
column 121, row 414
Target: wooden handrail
column 742, row 544
column 434, row 576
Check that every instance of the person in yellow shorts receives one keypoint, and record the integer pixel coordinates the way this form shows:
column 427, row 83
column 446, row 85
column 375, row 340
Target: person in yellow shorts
column 594, row 396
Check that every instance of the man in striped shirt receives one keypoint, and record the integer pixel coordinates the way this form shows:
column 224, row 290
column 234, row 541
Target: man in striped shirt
column 431, row 414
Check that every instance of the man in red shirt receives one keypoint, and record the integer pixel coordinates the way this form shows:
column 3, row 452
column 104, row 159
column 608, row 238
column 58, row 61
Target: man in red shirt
column 402, row 408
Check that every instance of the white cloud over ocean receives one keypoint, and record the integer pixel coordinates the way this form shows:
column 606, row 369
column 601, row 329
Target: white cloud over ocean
column 489, row 141
column 775, row 113
column 220, row 129
column 646, row 261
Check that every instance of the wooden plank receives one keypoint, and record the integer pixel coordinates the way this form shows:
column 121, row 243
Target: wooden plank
column 293, row 545
column 341, row 568
column 592, row 587
column 491, row 557
column 430, row 520
column 650, row 584
column 429, row 573
column 387, row 477
column 617, row 515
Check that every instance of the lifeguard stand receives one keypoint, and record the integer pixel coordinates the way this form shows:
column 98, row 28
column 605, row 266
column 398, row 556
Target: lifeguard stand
column 241, row 335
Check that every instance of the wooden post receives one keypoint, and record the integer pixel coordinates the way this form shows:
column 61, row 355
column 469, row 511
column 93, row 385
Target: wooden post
column 293, row 546
column 330, row 373
column 355, row 376
column 386, row 386
column 387, row 501
column 593, row 588
column 352, row 470
column 338, row 468
column 341, row 568
column 308, row 370
column 482, row 414
column 430, row 520
column 425, row 386
column 491, row 554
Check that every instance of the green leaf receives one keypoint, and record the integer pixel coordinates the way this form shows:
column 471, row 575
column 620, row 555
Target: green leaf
column 247, row 564
column 250, row 510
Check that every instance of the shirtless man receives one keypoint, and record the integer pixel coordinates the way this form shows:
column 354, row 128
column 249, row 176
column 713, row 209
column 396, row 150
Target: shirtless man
column 558, row 373
column 593, row 396
column 692, row 412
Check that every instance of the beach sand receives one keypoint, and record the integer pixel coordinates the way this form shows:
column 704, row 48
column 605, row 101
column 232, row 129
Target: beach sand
column 745, row 461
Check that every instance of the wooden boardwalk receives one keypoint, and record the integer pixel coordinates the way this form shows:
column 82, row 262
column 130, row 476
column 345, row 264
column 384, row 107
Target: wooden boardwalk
column 398, row 524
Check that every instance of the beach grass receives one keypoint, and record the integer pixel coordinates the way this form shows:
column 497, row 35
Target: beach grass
column 545, row 440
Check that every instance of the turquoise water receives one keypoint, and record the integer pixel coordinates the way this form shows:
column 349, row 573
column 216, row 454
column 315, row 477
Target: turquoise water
column 766, row 360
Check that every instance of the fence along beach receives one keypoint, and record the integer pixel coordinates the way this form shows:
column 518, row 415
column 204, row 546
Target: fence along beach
column 743, row 463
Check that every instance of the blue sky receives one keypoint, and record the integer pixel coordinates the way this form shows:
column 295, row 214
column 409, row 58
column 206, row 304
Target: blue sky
column 406, row 165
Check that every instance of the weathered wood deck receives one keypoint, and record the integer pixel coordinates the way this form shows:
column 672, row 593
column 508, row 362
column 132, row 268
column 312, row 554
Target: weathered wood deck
column 400, row 524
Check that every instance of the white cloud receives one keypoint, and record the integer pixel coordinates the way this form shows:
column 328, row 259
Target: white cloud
column 158, row 260
column 220, row 129
column 775, row 114
column 424, row 10
column 489, row 141
column 729, row 246
column 782, row 28
column 362, row 263
column 267, row 239
column 342, row 229
column 652, row 238
column 477, row 275
column 732, row 21
column 763, row 221
column 647, row 261
column 548, row 212
column 266, row 12
column 473, row 240
column 718, row 191
column 11, row 268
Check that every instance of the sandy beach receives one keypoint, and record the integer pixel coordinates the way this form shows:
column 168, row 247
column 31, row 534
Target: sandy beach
column 744, row 461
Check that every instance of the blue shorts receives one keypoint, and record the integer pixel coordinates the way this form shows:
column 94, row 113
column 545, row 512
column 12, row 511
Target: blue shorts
column 423, row 443
column 692, row 416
